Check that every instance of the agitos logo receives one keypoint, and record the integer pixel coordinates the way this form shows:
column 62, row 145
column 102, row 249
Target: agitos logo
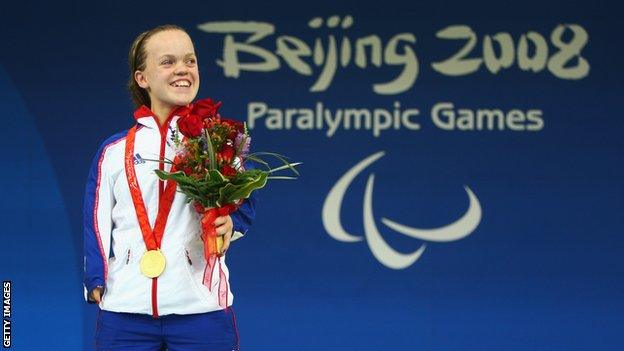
column 382, row 251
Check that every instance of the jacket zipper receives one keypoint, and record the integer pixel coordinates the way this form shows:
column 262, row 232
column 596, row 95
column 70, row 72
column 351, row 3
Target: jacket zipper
column 161, row 185
column 188, row 257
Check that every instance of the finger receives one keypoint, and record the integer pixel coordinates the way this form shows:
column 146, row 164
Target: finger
column 96, row 295
column 224, row 229
column 220, row 221
column 227, row 238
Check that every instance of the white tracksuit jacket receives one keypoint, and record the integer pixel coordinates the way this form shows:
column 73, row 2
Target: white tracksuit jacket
column 113, row 243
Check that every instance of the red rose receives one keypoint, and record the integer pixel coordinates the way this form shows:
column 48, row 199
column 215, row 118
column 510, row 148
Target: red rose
column 191, row 125
column 228, row 171
column 206, row 108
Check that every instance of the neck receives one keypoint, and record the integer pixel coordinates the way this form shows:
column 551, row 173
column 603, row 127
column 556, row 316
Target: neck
column 161, row 112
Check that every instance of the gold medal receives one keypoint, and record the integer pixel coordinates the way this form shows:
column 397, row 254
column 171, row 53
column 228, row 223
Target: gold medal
column 152, row 263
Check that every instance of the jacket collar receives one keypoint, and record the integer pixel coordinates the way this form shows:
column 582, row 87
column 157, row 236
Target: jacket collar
column 145, row 116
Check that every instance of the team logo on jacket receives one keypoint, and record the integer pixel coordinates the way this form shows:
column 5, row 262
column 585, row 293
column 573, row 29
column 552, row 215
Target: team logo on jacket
column 381, row 250
column 138, row 159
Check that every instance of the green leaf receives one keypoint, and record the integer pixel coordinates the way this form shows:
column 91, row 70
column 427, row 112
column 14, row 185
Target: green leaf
column 290, row 165
column 211, row 151
column 232, row 192
column 258, row 160
column 215, row 176
column 283, row 159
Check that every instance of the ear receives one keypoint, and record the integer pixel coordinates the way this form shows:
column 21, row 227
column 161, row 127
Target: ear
column 139, row 77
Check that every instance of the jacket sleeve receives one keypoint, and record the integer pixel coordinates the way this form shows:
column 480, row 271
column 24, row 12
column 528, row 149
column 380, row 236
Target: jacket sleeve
column 244, row 216
column 98, row 204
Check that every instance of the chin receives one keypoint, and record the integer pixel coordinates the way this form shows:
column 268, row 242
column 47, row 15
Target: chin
column 183, row 101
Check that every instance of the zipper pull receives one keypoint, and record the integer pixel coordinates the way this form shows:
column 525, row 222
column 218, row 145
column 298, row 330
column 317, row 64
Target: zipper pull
column 128, row 258
column 188, row 258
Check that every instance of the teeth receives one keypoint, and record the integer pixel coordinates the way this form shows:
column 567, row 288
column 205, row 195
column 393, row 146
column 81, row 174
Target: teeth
column 181, row 83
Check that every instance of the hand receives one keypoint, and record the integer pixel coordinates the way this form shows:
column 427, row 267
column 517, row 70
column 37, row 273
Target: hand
column 96, row 294
column 224, row 227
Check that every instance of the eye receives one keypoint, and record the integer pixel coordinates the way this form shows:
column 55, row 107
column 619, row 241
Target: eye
column 166, row 62
column 191, row 61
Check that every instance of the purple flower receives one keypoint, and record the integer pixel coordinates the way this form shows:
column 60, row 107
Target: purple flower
column 245, row 140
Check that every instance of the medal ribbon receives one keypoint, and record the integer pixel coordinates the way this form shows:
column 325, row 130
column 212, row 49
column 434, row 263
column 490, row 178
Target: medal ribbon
column 152, row 237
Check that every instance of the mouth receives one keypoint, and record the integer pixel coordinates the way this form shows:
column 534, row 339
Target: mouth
column 181, row 83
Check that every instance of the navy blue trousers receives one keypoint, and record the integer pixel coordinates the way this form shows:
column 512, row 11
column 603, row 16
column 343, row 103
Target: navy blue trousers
column 212, row 331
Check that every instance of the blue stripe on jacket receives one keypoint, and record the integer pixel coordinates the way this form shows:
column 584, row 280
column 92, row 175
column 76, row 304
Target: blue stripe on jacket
column 93, row 260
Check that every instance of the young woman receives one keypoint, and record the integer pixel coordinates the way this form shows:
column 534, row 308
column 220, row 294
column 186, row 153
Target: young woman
column 127, row 210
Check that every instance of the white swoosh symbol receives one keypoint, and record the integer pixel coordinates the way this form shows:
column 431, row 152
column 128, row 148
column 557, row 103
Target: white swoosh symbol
column 333, row 201
column 459, row 229
column 380, row 249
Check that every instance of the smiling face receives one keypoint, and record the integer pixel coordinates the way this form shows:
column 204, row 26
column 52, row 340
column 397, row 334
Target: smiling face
column 170, row 77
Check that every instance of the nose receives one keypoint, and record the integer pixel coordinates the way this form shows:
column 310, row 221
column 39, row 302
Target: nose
column 181, row 70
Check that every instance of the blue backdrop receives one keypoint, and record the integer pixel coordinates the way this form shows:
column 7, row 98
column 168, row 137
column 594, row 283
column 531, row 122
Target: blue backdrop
column 462, row 178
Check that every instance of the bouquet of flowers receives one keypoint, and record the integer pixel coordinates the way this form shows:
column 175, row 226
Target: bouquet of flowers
column 209, row 168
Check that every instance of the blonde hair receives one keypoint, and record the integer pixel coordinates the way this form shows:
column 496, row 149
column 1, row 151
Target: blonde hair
column 136, row 62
